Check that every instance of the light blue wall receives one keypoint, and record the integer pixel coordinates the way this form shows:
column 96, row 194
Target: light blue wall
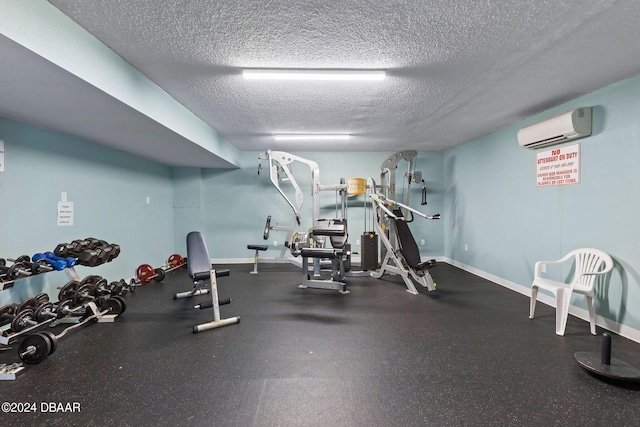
column 231, row 206
column 492, row 203
column 485, row 191
column 109, row 190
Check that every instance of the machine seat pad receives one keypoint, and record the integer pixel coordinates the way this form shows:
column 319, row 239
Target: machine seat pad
column 258, row 247
column 320, row 253
column 426, row 265
column 330, row 230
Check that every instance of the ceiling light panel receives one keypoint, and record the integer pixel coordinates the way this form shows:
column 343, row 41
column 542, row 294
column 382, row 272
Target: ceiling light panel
column 335, row 75
column 312, row 137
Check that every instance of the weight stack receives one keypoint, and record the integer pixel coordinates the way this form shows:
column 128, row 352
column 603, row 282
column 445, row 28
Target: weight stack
column 369, row 252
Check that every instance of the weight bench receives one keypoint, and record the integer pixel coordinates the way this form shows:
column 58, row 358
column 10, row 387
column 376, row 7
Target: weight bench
column 337, row 233
column 201, row 271
column 256, row 248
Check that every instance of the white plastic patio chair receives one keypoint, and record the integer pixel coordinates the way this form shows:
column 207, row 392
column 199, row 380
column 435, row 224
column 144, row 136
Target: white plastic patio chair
column 589, row 263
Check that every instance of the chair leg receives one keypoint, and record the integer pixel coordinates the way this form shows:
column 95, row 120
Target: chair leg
column 592, row 315
column 532, row 304
column 562, row 310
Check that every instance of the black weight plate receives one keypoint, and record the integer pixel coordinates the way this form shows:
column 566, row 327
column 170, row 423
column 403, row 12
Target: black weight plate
column 20, row 322
column 28, row 304
column 8, row 310
column 53, row 340
column 16, row 270
column 43, row 311
column 83, row 293
column 160, row 275
column 23, row 258
column 42, row 298
column 114, row 306
column 34, row 349
column 68, row 290
column 63, row 307
column 89, row 279
column 100, row 288
column 115, row 288
column 40, row 266
column 122, row 301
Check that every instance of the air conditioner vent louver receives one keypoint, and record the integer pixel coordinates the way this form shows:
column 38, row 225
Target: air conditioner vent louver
column 573, row 124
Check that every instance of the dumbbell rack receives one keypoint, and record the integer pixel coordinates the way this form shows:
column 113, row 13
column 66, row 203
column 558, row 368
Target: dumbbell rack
column 104, row 318
column 7, row 338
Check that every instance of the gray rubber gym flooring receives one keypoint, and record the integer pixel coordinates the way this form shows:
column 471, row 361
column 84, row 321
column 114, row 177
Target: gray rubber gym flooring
column 464, row 355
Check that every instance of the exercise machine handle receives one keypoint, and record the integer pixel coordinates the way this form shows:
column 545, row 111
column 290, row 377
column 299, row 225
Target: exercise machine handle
column 267, row 227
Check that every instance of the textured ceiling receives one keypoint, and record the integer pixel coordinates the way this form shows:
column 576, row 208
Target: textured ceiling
column 456, row 70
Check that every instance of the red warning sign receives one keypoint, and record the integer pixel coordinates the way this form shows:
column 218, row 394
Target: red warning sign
column 558, row 166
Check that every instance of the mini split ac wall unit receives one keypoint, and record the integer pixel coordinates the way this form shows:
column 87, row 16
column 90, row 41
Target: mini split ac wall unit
column 565, row 127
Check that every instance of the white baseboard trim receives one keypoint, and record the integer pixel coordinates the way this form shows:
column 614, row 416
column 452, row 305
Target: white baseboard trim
column 608, row 324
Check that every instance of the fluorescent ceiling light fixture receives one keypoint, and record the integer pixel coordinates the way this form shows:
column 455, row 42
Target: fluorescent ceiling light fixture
column 336, row 75
column 312, row 137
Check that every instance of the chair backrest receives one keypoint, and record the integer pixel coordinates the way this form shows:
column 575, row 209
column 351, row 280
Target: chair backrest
column 198, row 261
column 589, row 260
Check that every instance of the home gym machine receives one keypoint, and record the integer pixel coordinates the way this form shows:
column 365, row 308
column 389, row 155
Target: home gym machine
column 279, row 162
column 311, row 244
column 405, row 261
column 399, row 252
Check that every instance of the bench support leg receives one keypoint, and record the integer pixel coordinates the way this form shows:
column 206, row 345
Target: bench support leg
column 255, row 263
column 217, row 321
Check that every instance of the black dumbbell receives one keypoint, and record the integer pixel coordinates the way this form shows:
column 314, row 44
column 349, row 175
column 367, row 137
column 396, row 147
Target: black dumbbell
column 68, row 291
column 27, row 304
column 96, row 243
column 79, row 245
column 21, row 268
column 95, row 257
column 8, row 312
column 45, row 312
column 62, row 249
column 22, row 258
column 84, row 293
column 102, row 288
column 78, row 292
column 88, row 257
column 23, row 319
column 63, row 308
column 34, row 266
column 115, row 252
column 71, row 249
column 115, row 304
column 118, row 288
